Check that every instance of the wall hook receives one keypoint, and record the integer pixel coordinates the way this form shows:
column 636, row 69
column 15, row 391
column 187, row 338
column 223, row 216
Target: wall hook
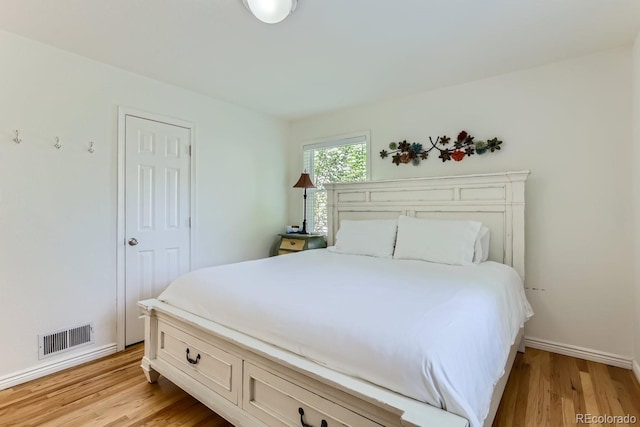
column 57, row 144
column 17, row 139
column 91, row 149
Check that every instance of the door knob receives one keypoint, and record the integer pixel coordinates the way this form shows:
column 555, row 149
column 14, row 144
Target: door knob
column 133, row 241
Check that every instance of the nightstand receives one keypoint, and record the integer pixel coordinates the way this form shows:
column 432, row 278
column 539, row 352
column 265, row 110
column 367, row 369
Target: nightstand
column 290, row 243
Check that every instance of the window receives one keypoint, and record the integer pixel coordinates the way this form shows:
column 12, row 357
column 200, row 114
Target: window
column 336, row 160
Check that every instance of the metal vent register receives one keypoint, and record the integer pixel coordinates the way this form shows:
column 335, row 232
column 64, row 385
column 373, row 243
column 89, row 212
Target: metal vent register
column 64, row 340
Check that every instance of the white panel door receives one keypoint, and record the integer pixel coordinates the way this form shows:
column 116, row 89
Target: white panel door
column 157, row 221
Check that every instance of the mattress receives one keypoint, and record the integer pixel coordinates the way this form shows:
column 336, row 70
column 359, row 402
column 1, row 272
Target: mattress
column 436, row 333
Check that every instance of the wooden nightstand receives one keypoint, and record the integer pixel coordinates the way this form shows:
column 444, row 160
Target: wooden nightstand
column 290, row 243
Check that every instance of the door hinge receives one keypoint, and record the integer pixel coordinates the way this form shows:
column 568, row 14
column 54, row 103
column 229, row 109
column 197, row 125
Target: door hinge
column 189, row 150
column 189, row 222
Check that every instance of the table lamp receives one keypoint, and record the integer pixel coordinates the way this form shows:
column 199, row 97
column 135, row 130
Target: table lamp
column 304, row 182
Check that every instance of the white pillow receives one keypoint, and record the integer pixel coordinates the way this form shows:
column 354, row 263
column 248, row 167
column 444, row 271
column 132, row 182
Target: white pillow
column 482, row 245
column 367, row 237
column 441, row 241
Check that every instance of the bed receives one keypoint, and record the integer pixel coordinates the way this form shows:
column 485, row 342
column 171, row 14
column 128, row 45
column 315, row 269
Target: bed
column 327, row 356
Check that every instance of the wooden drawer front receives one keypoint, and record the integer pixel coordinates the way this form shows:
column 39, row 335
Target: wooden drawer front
column 216, row 369
column 292, row 244
column 276, row 402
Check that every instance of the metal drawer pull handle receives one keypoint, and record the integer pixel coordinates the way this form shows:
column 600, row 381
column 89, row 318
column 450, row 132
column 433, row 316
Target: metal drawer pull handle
column 323, row 423
column 292, row 243
column 193, row 361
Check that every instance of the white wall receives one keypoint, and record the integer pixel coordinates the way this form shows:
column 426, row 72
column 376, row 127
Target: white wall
column 570, row 124
column 58, row 208
column 636, row 193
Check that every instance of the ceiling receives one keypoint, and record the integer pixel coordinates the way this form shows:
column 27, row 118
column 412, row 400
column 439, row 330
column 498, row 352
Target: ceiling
column 328, row 54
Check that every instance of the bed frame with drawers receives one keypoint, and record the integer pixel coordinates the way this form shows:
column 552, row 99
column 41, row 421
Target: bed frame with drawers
column 252, row 383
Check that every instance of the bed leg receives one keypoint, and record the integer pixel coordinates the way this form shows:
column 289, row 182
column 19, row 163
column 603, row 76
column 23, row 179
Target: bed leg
column 151, row 374
column 521, row 345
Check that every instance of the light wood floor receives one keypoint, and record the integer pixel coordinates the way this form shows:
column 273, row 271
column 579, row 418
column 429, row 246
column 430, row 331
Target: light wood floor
column 544, row 389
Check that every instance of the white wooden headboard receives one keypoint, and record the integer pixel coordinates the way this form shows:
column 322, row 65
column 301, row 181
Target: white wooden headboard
column 496, row 199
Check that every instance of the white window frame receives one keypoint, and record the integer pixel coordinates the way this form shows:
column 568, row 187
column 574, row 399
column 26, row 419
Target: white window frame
column 330, row 142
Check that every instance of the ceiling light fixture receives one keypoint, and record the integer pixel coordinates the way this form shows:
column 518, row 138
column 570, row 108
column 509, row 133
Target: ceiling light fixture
column 271, row 11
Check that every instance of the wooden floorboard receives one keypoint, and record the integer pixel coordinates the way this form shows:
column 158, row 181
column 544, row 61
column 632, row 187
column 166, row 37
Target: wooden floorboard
column 544, row 389
column 551, row 389
column 109, row 392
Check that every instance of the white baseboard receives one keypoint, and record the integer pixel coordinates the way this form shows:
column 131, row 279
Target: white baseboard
column 55, row 366
column 581, row 353
column 636, row 370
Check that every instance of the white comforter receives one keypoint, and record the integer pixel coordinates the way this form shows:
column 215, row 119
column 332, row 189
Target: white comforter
column 436, row 333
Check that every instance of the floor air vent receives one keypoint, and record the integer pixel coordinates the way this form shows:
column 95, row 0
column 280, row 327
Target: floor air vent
column 64, row 340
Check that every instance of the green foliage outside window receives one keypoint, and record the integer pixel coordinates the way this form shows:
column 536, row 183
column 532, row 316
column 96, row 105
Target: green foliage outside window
column 346, row 163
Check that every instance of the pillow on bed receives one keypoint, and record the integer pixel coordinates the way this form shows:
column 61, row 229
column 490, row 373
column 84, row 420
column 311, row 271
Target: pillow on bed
column 367, row 237
column 482, row 245
column 441, row 241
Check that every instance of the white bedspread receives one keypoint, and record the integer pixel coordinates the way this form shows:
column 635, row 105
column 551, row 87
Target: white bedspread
column 436, row 333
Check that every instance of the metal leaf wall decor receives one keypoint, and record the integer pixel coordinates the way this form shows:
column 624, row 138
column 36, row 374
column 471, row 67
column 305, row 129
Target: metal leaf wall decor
column 464, row 145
